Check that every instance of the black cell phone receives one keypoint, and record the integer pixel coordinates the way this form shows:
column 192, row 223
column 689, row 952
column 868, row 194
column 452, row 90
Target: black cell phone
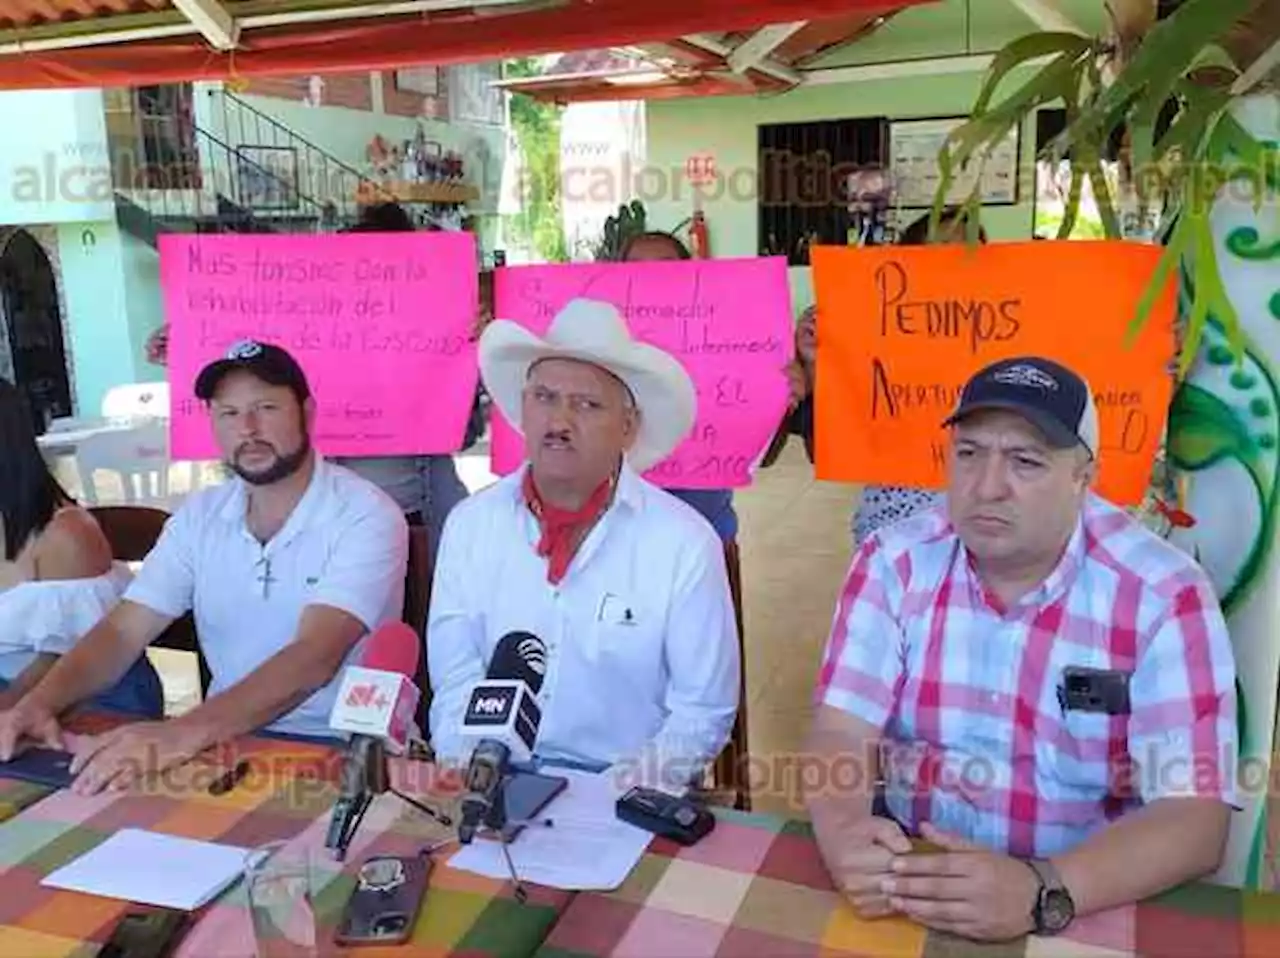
column 1094, row 690
column 680, row 819
column 384, row 906
column 146, row 933
column 40, row 766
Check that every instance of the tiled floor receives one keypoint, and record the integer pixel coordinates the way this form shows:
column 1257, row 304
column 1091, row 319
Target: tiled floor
column 795, row 550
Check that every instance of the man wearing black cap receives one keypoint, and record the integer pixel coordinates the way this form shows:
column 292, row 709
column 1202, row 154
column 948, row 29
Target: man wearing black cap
column 286, row 567
column 1044, row 689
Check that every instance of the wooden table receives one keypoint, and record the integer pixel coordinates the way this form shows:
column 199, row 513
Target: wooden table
column 756, row 888
column 287, row 796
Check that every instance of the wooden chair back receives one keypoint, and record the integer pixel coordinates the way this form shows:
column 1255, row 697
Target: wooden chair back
column 730, row 773
column 133, row 532
column 417, row 600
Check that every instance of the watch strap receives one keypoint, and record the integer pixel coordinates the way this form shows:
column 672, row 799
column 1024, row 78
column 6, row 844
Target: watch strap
column 1047, row 873
column 1050, row 885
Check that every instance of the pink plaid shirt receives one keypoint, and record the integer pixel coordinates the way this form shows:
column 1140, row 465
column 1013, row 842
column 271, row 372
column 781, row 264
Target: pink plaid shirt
column 976, row 739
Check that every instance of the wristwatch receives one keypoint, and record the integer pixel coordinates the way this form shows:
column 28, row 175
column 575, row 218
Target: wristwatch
column 1054, row 909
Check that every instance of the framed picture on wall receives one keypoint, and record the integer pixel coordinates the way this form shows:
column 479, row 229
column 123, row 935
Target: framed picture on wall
column 267, row 177
column 913, row 165
column 425, row 81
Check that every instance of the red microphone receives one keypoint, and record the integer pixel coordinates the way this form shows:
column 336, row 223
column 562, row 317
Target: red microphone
column 378, row 696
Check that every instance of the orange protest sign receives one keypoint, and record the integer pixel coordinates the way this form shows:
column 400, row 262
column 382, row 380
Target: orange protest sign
column 901, row 328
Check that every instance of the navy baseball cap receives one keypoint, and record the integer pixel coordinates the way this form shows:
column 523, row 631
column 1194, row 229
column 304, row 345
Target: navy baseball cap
column 1049, row 395
column 269, row 363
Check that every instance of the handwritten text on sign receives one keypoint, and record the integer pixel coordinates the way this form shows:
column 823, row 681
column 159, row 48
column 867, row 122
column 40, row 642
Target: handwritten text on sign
column 902, row 328
column 727, row 321
column 381, row 324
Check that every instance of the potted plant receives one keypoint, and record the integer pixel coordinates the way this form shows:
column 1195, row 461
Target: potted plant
column 1207, row 181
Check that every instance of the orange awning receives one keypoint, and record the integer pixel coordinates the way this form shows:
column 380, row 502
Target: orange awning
column 111, row 47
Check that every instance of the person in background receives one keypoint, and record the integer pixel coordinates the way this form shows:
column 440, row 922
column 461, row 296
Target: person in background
column 1037, row 684
column 57, row 577
column 287, row 568
column 425, row 487
column 881, row 505
column 716, row 505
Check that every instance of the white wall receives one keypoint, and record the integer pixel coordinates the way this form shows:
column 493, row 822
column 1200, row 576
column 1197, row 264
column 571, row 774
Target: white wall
column 600, row 143
column 54, row 165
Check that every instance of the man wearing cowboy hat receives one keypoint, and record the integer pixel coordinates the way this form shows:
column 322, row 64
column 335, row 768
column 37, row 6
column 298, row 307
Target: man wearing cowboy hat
column 624, row 583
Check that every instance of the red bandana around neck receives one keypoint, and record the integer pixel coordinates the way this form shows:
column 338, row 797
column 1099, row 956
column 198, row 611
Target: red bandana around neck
column 562, row 528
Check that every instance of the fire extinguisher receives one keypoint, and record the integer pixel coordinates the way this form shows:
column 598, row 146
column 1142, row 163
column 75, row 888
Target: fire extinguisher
column 698, row 237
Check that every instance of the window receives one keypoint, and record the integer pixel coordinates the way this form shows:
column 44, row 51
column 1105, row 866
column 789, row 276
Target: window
column 804, row 174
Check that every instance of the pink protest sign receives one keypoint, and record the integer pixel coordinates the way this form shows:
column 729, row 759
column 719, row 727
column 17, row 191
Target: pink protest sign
column 381, row 324
column 727, row 321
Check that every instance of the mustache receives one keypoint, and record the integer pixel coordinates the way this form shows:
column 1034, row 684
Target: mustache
column 255, row 444
column 559, row 435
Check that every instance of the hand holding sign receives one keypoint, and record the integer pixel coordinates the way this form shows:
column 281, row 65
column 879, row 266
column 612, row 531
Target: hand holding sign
column 726, row 321
column 381, row 324
column 904, row 327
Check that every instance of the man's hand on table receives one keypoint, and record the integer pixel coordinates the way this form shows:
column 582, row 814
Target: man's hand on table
column 964, row 890
column 23, row 726
column 125, row 756
column 865, row 861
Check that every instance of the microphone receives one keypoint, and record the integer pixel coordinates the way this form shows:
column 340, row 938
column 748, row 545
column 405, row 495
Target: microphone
column 504, row 707
column 378, row 697
column 503, row 715
column 377, row 702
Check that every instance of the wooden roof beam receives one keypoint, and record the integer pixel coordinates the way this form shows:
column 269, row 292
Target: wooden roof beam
column 215, row 23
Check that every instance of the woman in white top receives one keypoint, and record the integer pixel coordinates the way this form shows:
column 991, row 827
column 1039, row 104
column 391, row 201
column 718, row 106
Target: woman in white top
column 57, row 577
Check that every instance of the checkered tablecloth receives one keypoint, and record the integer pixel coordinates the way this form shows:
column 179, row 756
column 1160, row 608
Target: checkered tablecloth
column 756, row 888
column 288, row 796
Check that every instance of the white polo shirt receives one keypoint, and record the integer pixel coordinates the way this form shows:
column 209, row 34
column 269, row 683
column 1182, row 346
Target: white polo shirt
column 345, row 545
column 642, row 645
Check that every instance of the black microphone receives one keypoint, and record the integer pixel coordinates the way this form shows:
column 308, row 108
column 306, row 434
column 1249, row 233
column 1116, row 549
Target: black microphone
column 503, row 715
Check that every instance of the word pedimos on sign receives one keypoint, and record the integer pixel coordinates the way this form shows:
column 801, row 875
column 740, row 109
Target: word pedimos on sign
column 902, row 328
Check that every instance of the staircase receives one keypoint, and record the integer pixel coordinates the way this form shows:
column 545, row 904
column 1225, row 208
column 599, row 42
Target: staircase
column 273, row 181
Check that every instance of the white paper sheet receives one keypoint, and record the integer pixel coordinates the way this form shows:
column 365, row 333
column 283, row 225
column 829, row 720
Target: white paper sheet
column 153, row 869
column 587, row 848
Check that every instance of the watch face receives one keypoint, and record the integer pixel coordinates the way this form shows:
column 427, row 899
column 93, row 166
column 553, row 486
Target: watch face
column 1056, row 910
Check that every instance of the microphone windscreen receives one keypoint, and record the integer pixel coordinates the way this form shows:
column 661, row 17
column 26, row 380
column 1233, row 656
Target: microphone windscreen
column 393, row 647
column 519, row 656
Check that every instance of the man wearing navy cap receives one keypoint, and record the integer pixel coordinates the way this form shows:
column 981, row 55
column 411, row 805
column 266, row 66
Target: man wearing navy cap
column 286, row 568
column 1041, row 688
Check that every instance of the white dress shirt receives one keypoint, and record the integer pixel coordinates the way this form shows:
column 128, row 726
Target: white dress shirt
column 345, row 545
column 642, row 646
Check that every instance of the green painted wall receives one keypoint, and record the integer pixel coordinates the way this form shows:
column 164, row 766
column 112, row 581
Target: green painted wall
column 727, row 126
column 100, row 310
column 955, row 28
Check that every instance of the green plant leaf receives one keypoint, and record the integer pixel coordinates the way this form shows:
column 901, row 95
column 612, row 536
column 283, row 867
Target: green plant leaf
column 1033, row 46
column 1165, row 54
column 1204, row 430
column 1102, row 194
column 1072, row 211
column 1059, row 80
column 1203, row 261
column 1169, row 259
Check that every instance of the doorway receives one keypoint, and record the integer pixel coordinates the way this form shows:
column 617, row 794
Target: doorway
column 33, row 324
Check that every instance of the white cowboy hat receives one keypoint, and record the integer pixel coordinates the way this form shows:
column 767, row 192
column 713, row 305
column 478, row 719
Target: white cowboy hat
column 593, row 332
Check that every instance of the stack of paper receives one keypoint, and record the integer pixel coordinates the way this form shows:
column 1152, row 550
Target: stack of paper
column 587, row 848
column 153, row 869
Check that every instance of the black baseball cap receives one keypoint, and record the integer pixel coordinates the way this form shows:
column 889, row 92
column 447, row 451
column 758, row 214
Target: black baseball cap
column 269, row 363
column 1049, row 395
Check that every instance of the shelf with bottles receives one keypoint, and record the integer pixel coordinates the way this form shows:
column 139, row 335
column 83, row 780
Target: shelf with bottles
column 417, row 170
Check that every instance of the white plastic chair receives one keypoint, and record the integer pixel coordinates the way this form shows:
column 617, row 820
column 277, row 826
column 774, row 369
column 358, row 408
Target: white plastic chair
column 139, row 456
column 137, row 400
